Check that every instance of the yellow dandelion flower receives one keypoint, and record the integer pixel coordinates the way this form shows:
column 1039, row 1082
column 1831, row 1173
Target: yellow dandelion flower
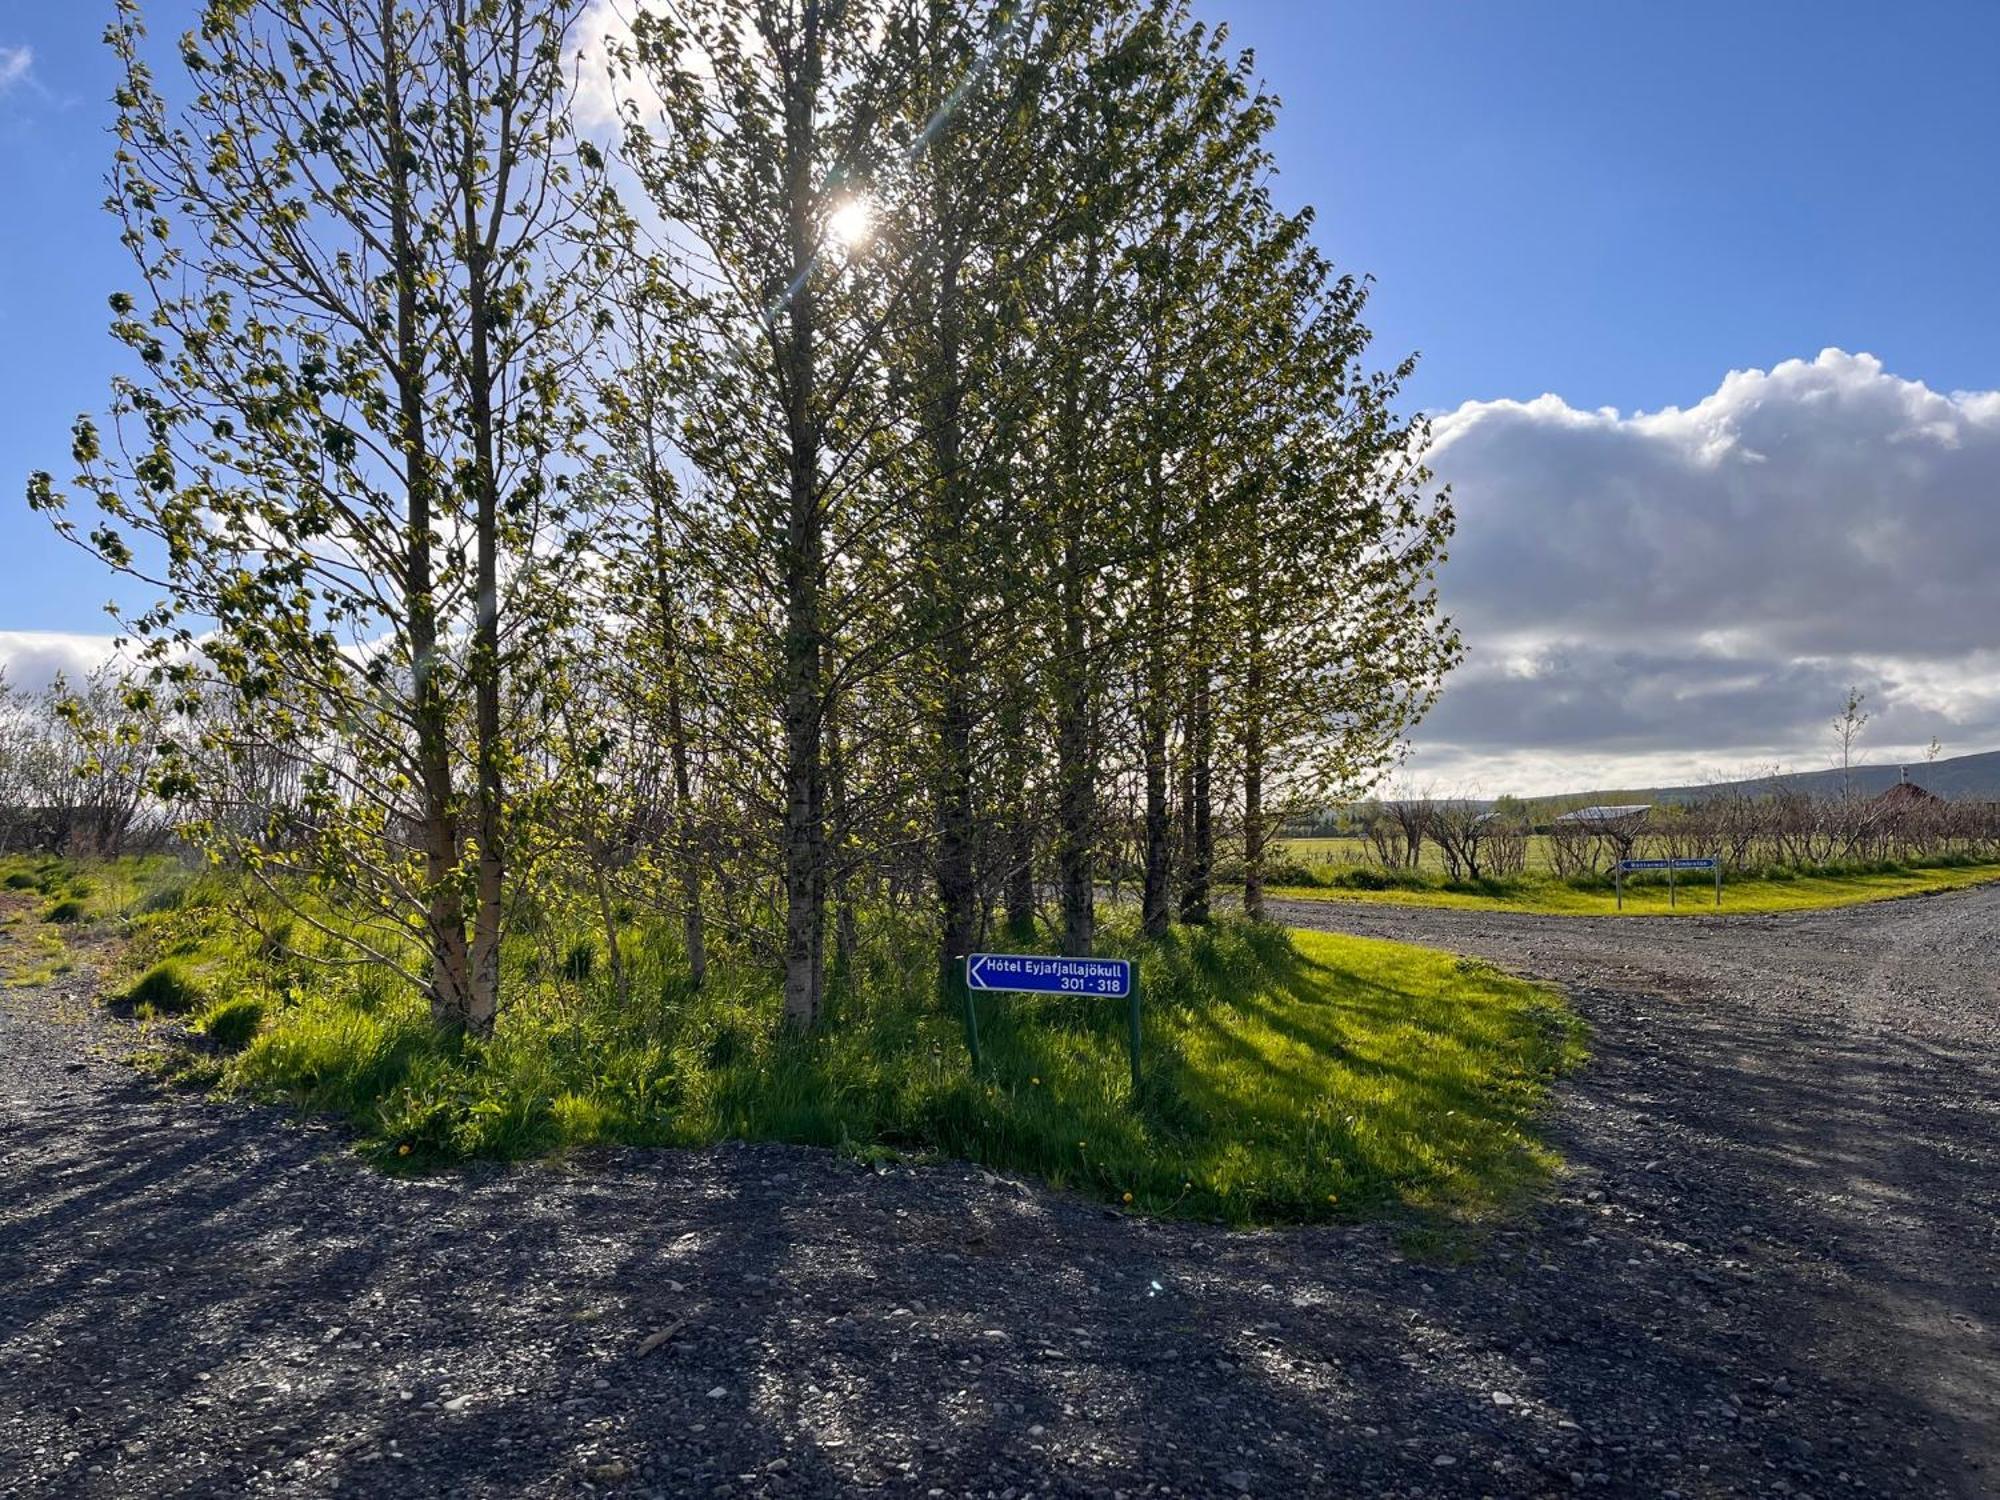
column 1128, row 1197
column 1035, row 1081
column 403, row 1150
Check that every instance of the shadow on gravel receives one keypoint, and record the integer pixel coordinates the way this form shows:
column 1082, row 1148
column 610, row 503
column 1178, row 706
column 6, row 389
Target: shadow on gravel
column 208, row 1299
column 1815, row 1102
column 203, row 1305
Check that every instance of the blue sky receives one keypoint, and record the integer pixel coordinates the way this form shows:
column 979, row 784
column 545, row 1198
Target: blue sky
column 1614, row 202
column 1618, row 201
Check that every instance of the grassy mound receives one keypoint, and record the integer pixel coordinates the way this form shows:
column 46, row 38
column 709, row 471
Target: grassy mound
column 1288, row 1077
column 230, row 1024
column 168, row 988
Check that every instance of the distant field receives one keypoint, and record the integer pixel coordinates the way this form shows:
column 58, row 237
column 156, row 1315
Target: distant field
column 1546, row 895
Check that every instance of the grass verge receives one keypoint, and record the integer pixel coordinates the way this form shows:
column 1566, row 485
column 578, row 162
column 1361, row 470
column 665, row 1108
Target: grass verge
column 56, row 913
column 1289, row 1077
column 1648, row 896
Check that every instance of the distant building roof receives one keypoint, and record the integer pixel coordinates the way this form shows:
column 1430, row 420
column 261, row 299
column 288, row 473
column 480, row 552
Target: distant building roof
column 1618, row 814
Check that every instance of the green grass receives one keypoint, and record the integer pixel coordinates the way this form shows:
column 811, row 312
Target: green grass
column 31, row 954
column 1289, row 1077
column 1648, row 896
column 118, row 890
column 169, row 988
column 85, row 904
column 1351, row 849
column 230, row 1024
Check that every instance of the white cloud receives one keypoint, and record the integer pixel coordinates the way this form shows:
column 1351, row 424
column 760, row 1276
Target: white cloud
column 16, row 66
column 1652, row 596
column 30, row 659
column 1659, row 597
column 604, row 24
column 605, row 28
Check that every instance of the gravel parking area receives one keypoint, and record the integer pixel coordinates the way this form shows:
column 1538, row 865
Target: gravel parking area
column 1771, row 1271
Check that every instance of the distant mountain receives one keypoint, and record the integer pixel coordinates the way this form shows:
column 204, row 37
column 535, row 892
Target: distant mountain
column 1973, row 778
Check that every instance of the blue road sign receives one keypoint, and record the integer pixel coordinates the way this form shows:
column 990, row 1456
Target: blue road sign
column 1031, row 973
column 1629, row 865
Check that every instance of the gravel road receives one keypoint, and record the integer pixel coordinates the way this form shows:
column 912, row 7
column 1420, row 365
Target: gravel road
column 1772, row 1271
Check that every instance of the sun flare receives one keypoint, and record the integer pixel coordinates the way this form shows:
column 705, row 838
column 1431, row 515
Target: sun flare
column 852, row 225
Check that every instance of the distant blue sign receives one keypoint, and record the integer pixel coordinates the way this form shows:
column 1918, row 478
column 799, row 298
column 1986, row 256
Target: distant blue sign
column 1031, row 973
column 1629, row 865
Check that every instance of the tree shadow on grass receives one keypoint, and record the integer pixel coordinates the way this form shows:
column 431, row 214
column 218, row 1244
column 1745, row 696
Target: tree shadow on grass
column 859, row 1321
column 932, row 1327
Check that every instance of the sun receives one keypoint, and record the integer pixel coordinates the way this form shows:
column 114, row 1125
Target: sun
column 852, row 224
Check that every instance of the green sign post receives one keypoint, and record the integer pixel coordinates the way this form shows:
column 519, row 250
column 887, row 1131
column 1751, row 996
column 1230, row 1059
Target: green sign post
column 1041, row 974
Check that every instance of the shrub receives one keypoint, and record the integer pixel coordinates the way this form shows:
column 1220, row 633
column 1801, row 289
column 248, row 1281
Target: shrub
column 580, row 960
column 169, row 988
column 1947, row 861
column 1499, row 887
column 1366, row 880
column 66, row 911
column 1292, row 872
column 21, row 880
column 1375, row 878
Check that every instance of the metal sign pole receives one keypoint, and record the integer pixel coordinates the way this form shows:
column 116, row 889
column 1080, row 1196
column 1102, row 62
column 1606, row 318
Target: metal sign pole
column 1134, row 1003
column 1670, row 885
column 1046, row 974
column 1718, row 882
column 971, row 1015
column 1618, row 880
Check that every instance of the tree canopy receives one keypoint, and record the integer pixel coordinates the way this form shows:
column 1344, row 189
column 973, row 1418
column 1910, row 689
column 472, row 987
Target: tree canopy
column 909, row 465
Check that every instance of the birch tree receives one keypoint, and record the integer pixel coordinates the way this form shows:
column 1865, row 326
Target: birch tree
column 341, row 461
